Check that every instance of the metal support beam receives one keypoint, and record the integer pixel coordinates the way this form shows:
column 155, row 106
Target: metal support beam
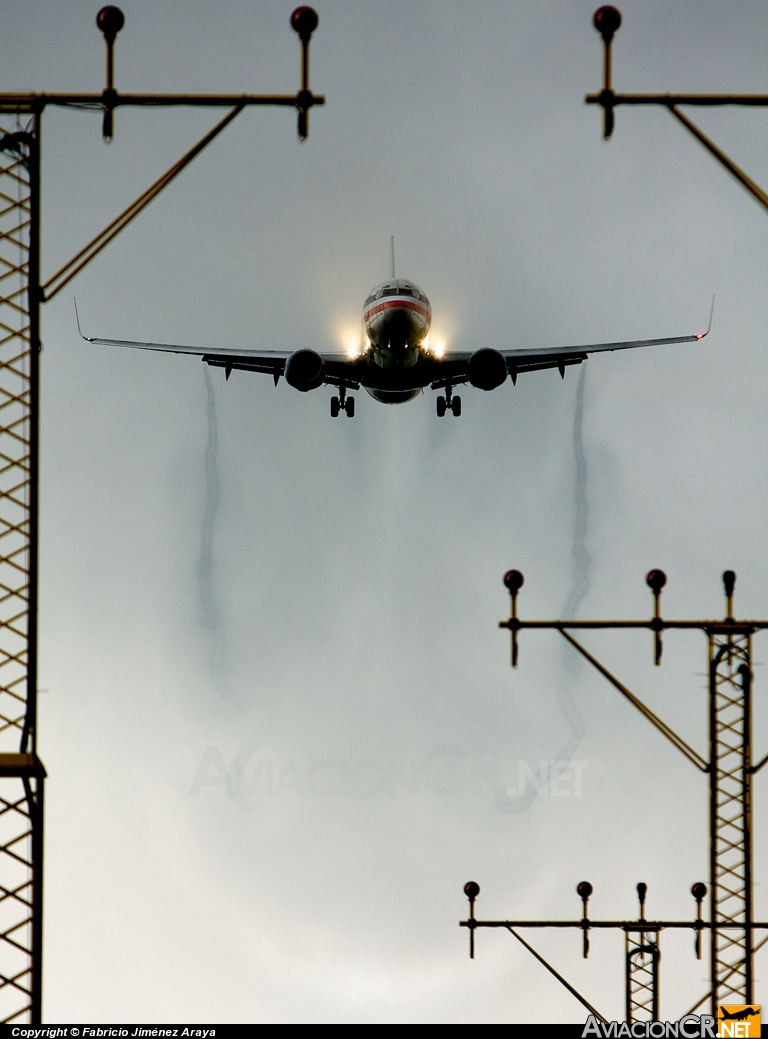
column 730, row 782
column 730, row 770
column 65, row 274
column 642, row 969
column 21, row 773
column 642, row 977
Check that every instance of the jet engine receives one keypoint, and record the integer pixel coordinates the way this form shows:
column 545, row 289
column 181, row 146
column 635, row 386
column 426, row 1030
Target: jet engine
column 487, row 368
column 304, row 370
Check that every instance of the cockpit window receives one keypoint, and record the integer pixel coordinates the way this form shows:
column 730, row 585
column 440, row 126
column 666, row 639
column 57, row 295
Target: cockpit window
column 396, row 288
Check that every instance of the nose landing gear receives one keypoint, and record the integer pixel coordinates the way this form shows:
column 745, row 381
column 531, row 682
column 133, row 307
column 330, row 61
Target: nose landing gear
column 342, row 403
column 448, row 403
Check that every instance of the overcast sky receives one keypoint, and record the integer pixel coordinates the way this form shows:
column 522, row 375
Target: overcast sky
column 272, row 818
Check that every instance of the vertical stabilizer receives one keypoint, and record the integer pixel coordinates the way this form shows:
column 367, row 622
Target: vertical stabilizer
column 391, row 256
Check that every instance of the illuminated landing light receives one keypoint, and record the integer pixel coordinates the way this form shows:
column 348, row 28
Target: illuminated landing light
column 700, row 335
column 352, row 347
column 436, row 347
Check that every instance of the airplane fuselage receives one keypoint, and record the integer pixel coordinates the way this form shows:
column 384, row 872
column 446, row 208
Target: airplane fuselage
column 396, row 320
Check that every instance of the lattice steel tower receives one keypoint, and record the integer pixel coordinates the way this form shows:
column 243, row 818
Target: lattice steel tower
column 730, row 806
column 21, row 772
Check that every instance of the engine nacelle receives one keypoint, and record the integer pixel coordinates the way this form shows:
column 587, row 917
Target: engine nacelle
column 304, row 370
column 487, row 368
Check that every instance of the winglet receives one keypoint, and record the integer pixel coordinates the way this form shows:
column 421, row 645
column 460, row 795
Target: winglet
column 88, row 339
column 701, row 335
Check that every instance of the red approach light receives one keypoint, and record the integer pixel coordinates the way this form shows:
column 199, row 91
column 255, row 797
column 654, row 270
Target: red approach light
column 110, row 20
column 471, row 890
column 513, row 581
column 656, row 579
column 607, row 20
column 304, row 21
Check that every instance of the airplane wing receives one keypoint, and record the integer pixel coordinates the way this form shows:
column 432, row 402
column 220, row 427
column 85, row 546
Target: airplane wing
column 271, row 362
column 454, row 365
column 553, row 356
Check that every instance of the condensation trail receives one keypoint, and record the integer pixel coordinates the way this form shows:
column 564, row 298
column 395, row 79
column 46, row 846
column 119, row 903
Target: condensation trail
column 210, row 613
column 582, row 567
column 210, row 616
column 582, row 560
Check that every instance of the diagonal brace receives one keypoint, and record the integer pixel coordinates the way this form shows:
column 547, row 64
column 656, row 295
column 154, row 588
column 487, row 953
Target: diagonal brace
column 754, row 189
column 94, row 247
column 654, row 719
column 559, row 977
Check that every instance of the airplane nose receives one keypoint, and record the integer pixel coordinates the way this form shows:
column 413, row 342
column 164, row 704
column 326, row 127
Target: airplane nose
column 396, row 326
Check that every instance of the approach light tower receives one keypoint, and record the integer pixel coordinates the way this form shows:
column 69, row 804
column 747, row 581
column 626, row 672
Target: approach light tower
column 728, row 765
column 21, row 293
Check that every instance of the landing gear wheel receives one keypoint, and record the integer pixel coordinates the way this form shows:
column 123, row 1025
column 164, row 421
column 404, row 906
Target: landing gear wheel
column 440, row 406
column 334, row 407
column 349, row 407
column 456, row 406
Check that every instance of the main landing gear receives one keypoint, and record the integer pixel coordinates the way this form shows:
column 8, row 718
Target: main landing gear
column 342, row 403
column 448, row 403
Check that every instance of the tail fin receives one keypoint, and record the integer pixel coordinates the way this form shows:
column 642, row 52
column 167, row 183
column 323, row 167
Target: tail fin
column 391, row 256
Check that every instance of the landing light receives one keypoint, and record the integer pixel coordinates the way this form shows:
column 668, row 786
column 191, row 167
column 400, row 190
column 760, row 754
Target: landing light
column 436, row 347
column 351, row 344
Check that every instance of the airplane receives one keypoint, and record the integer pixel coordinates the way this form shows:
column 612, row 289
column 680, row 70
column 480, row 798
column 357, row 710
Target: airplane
column 738, row 1015
column 395, row 361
